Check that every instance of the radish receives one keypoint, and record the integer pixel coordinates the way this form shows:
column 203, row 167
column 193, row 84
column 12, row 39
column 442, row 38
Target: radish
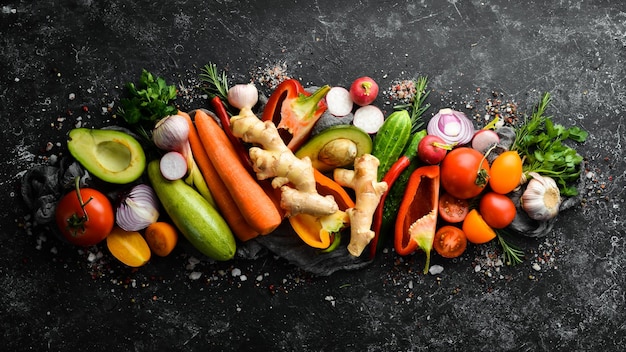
column 364, row 91
column 338, row 101
column 432, row 149
column 369, row 118
column 173, row 166
column 484, row 139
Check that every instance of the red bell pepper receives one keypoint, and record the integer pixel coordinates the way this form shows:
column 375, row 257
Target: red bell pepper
column 294, row 111
column 416, row 223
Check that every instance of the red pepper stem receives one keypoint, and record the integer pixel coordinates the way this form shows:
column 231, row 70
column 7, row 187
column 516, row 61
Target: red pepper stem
column 390, row 177
column 288, row 89
column 307, row 106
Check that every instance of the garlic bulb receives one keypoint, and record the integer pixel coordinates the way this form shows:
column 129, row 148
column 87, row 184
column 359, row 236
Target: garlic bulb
column 243, row 96
column 542, row 198
column 171, row 133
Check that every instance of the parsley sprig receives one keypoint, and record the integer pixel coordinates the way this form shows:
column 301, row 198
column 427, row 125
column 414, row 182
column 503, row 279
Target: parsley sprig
column 150, row 100
column 542, row 144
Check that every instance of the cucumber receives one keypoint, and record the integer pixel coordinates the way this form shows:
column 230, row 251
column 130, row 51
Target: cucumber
column 200, row 223
column 391, row 139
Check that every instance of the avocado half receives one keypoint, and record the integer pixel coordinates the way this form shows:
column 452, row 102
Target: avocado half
column 336, row 146
column 110, row 155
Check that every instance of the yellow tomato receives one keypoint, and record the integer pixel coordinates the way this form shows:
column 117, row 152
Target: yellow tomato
column 476, row 229
column 506, row 172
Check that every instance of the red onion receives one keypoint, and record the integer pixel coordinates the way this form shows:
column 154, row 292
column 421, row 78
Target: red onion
column 138, row 210
column 452, row 126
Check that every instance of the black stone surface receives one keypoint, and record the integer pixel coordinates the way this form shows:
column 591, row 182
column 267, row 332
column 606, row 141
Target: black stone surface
column 63, row 63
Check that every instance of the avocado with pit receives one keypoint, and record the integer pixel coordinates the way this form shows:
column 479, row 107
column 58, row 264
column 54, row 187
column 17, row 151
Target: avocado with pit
column 110, row 155
column 336, row 146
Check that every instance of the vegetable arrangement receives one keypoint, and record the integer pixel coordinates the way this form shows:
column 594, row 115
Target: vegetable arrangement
column 238, row 170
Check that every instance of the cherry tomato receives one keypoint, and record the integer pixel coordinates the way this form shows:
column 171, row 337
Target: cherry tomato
column 506, row 171
column 452, row 209
column 497, row 209
column 89, row 227
column 464, row 172
column 450, row 241
column 476, row 229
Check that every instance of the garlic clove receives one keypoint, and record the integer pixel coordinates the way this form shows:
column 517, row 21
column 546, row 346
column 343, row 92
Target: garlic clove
column 243, row 96
column 171, row 133
column 541, row 199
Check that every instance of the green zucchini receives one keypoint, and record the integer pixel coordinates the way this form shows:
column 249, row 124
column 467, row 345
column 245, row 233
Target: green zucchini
column 200, row 223
column 391, row 139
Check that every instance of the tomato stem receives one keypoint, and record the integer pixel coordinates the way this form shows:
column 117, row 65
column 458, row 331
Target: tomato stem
column 482, row 177
column 74, row 222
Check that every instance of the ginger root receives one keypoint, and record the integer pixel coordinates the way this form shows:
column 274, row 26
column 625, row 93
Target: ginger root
column 368, row 193
column 272, row 158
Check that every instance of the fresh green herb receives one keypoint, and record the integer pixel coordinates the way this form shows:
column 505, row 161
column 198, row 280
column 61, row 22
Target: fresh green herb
column 216, row 84
column 417, row 107
column 512, row 254
column 149, row 101
column 541, row 142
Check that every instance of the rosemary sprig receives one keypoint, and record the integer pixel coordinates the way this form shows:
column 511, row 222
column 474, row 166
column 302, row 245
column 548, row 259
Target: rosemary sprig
column 512, row 254
column 216, row 83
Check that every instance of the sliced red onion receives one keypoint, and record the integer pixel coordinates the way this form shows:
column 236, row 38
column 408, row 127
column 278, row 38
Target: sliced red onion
column 139, row 209
column 452, row 126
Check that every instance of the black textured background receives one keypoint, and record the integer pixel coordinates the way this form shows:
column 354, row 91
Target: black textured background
column 568, row 295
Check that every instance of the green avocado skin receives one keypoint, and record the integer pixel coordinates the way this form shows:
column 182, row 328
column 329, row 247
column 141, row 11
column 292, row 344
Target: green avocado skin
column 312, row 148
column 110, row 155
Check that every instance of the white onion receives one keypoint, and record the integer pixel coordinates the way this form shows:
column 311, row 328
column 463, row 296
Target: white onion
column 138, row 210
column 452, row 126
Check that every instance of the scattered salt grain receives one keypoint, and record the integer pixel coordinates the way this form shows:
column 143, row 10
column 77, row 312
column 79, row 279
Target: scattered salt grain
column 236, row 272
column 195, row 275
column 72, row 96
column 536, row 267
column 330, row 299
column 191, row 263
column 435, row 269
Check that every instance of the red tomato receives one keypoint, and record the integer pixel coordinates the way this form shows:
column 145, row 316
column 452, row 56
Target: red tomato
column 78, row 228
column 464, row 172
column 506, row 171
column 476, row 229
column 450, row 241
column 497, row 209
column 452, row 209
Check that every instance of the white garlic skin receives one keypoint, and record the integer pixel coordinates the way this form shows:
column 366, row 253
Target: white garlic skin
column 243, row 96
column 541, row 199
column 171, row 133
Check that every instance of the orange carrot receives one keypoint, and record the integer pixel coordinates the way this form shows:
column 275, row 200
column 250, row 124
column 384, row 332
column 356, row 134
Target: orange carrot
column 161, row 237
column 255, row 205
column 225, row 202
